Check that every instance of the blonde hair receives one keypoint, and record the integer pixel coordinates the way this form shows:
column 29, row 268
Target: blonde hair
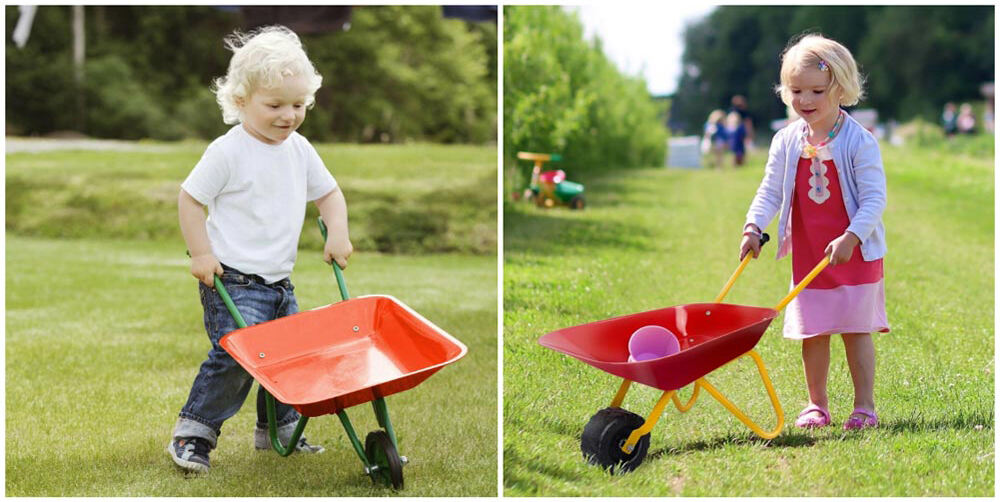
column 261, row 60
column 808, row 52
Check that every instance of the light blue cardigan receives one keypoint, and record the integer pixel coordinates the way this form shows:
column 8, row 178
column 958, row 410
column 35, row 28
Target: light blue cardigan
column 862, row 180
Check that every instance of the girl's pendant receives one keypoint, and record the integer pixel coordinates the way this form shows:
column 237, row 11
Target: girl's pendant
column 818, row 181
column 808, row 151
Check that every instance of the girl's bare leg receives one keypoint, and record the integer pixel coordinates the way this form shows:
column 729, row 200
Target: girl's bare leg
column 816, row 362
column 860, row 351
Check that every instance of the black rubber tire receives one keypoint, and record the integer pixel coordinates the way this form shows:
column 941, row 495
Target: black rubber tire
column 577, row 202
column 604, row 435
column 381, row 452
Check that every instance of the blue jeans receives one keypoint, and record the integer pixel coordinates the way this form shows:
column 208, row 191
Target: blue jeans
column 222, row 384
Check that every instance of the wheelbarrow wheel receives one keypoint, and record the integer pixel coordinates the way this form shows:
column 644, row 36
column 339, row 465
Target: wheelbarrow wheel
column 604, row 436
column 388, row 467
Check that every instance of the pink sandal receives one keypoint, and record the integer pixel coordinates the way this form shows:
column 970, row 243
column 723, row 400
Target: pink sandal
column 861, row 419
column 810, row 422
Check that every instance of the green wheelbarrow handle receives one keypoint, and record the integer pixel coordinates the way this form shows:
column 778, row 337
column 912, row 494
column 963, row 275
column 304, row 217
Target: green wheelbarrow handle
column 272, row 421
column 336, row 266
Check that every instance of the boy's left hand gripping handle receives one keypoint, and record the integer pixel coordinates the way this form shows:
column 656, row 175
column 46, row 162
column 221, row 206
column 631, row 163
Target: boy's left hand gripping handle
column 226, row 299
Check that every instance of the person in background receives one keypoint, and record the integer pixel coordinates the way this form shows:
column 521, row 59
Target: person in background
column 715, row 140
column 739, row 105
column 966, row 121
column 736, row 133
column 949, row 119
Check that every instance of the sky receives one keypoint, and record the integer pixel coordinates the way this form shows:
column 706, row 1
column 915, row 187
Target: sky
column 643, row 38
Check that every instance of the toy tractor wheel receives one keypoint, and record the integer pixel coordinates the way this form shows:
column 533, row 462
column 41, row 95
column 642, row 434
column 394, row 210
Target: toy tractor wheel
column 577, row 202
column 604, row 436
column 387, row 466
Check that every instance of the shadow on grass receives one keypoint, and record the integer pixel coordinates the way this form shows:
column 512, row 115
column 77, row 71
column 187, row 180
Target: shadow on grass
column 791, row 437
column 549, row 232
column 543, row 473
column 794, row 440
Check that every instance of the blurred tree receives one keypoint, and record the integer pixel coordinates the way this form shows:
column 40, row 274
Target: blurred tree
column 562, row 95
column 914, row 57
column 405, row 72
column 920, row 57
column 399, row 73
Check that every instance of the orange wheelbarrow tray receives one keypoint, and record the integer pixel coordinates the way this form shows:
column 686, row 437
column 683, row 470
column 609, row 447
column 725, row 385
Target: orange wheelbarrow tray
column 710, row 335
column 325, row 360
column 328, row 359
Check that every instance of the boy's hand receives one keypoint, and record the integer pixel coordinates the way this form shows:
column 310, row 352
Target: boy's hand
column 205, row 267
column 339, row 250
column 840, row 249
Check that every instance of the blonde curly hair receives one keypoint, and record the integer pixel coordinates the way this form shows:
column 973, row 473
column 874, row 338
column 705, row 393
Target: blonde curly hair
column 261, row 60
column 808, row 52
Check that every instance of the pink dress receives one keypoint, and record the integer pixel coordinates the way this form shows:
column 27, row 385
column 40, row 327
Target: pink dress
column 846, row 298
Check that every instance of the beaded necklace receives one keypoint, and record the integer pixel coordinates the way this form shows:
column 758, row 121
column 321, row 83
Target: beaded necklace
column 808, row 150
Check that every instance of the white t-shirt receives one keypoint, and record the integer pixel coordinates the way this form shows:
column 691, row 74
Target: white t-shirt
column 256, row 196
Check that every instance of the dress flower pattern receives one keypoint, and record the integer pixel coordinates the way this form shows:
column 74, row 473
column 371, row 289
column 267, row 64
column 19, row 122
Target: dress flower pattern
column 818, row 182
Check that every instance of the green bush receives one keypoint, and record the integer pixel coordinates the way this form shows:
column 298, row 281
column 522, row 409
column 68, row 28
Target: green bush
column 118, row 106
column 396, row 229
column 401, row 198
column 562, row 95
column 919, row 132
column 200, row 115
column 37, row 97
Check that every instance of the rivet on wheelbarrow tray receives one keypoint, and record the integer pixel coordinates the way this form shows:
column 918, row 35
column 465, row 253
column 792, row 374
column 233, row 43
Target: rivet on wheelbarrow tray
column 356, row 329
column 261, row 355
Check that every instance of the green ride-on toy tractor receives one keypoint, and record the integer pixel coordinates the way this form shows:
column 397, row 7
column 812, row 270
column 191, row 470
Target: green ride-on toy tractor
column 551, row 188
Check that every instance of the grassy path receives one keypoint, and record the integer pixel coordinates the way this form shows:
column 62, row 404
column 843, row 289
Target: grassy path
column 660, row 237
column 103, row 339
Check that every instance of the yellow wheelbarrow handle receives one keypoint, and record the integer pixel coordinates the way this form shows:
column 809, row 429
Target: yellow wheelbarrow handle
column 739, row 270
column 805, row 282
column 702, row 383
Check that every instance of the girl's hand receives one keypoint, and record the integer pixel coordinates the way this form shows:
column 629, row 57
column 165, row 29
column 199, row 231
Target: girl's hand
column 840, row 249
column 205, row 267
column 339, row 250
column 751, row 241
column 750, row 244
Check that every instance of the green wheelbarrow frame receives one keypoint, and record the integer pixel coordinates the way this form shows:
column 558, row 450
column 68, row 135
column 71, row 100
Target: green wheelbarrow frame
column 387, row 466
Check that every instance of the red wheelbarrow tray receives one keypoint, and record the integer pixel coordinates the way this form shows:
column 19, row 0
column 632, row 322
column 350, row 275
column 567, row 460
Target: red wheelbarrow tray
column 324, row 360
column 710, row 335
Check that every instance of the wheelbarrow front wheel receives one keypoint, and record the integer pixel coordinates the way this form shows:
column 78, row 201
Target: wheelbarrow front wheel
column 387, row 466
column 604, row 436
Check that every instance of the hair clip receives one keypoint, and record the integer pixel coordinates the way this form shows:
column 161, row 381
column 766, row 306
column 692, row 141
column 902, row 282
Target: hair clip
column 823, row 66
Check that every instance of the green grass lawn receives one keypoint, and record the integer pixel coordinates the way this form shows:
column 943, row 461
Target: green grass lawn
column 104, row 337
column 415, row 197
column 653, row 238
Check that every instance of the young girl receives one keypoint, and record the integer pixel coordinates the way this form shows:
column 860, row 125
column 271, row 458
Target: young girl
column 824, row 174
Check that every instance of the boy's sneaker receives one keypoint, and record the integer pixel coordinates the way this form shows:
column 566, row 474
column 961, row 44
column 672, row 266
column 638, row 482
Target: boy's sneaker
column 262, row 441
column 190, row 453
